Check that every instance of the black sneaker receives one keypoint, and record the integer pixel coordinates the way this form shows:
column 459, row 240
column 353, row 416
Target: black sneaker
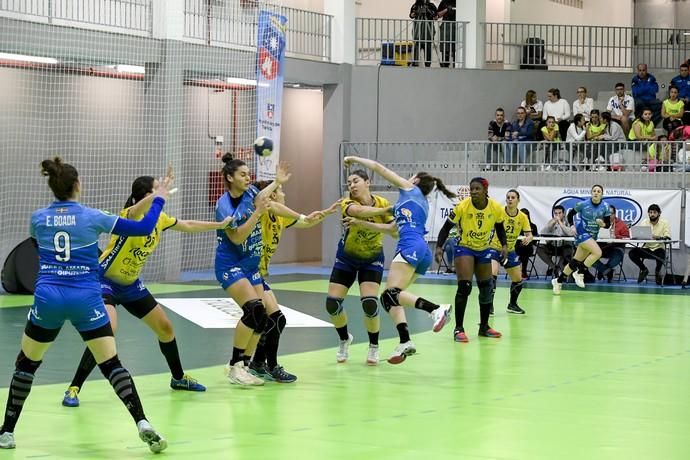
column 657, row 277
column 642, row 276
column 280, row 375
column 259, row 370
column 515, row 309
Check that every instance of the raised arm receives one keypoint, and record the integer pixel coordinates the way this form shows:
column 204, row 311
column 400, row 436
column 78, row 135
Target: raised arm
column 381, row 170
column 302, row 221
column 139, row 209
column 197, row 226
column 282, row 175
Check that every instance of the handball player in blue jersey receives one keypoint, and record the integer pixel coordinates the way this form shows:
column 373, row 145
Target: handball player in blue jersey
column 68, row 289
column 594, row 213
column 238, row 255
column 412, row 254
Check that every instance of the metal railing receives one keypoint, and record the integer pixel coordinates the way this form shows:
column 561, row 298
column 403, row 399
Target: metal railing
column 308, row 33
column 407, row 42
column 584, row 48
column 577, row 164
column 121, row 14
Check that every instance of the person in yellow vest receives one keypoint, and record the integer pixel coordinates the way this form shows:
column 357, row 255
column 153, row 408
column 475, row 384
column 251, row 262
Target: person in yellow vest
column 643, row 128
column 514, row 222
column 595, row 128
column 672, row 110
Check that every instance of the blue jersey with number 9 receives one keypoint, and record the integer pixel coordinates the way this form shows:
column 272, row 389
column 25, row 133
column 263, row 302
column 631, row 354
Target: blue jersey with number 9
column 67, row 235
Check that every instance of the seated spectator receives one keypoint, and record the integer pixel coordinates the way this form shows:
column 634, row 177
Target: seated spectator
column 659, row 155
column 682, row 82
column 523, row 133
column 524, row 252
column 613, row 131
column 595, row 128
column 583, row 104
column 682, row 133
column 672, row 110
column 643, row 128
column 550, row 133
column 499, row 131
column 557, row 108
column 533, row 106
column 622, row 108
column 577, row 132
column 644, row 89
column 556, row 254
column 661, row 230
column 612, row 252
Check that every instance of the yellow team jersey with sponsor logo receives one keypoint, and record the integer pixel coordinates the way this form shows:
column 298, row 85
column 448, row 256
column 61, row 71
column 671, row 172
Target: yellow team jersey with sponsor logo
column 476, row 225
column 272, row 227
column 361, row 243
column 125, row 256
column 513, row 226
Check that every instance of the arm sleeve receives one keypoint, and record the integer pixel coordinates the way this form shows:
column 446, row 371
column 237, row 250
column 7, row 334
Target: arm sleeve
column 501, row 233
column 443, row 234
column 143, row 227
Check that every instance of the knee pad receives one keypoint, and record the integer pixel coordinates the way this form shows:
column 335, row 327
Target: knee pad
column 26, row 365
column 370, row 307
column 485, row 291
column 390, row 298
column 254, row 316
column 334, row 306
column 464, row 288
column 280, row 321
column 109, row 366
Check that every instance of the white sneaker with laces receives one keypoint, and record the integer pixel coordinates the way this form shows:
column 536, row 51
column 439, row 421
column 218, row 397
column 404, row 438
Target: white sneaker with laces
column 579, row 279
column 238, row 375
column 556, row 286
column 344, row 349
column 155, row 441
column 440, row 316
column 373, row 355
column 402, row 351
column 7, row 440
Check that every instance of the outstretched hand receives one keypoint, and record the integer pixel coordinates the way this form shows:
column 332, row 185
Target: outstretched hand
column 283, row 173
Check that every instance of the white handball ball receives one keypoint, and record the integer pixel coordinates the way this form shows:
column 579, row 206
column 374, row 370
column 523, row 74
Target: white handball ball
column 263, row 146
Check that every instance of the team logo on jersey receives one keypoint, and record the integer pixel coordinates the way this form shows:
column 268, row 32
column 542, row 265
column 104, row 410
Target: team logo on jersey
column 61, row 210
column 407, row 213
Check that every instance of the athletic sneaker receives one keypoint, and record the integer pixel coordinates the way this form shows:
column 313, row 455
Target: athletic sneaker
column 280, row 375
column 515, row 309
column 71, row 399
column 556, row 286
column 7, row 440
column 579, row 279
column 187, row 383
column 238, row 375
column 440, row 316
column 402, row 351
column 344, row 349
column 460, row 336
column 373, row 355
column 156, row 442
column 488, row 332
column 259, row 370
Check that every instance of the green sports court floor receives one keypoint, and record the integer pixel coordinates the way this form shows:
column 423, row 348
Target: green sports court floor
column 591, row 374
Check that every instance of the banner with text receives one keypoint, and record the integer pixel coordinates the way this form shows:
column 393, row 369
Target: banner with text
column 269, row 87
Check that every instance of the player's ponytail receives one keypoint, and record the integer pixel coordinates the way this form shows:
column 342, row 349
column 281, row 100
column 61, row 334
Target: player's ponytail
column 426, row 183
column 62, row 177
column 443, row 189
column 142, row 186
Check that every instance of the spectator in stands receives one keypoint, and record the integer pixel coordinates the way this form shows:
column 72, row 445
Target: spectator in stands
column 661, row 230
column 577, row 132
column 550, row 133
column 499, row 131
column 556, row 254
column 423, row 12
column 682, row 133
column 557, row 108
column 612, row 252
column 523, row 133
column 672, row 110
column 643, row 127
column 613, row 131
column 525, row 252
column 446, row 11
column 644, row 89
column 659, row 155
column 583, row 104
column 533, row 106
column 595, row 128
column 622, row 108
column 682, row 82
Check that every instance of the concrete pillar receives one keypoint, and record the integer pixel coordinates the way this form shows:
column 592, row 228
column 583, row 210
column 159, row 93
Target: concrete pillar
column 342, row 30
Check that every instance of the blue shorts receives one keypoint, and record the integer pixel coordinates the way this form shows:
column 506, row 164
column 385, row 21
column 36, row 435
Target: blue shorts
column 513, row 260
column 122, row 294
column 350, row 264
column 480, row 257
column 415, row 253
column 266, row 286
column 581, row 238
column 81, row 305
column 229, row 276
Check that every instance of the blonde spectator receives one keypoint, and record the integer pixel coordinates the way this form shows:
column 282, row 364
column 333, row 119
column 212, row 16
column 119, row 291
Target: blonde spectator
column 533, row 105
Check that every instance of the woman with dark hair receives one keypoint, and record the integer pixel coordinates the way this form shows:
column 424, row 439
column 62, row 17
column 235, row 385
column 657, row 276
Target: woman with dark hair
column 366, row 218
column 478, row 217
column 238, row 255
column 594, row 213
column 121, row 265
column 68, row 288
column 412, row 254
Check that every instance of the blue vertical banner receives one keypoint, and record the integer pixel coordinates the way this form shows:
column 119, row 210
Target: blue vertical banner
column 270, row 64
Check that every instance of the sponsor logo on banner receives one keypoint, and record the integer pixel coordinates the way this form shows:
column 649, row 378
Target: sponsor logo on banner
column 627, row 209
column 224, row 313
